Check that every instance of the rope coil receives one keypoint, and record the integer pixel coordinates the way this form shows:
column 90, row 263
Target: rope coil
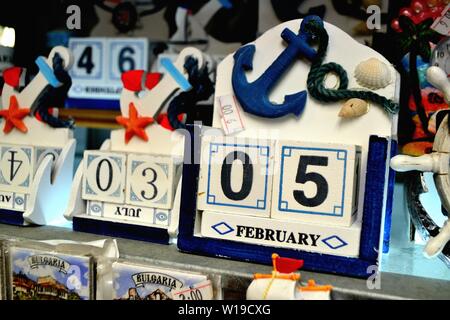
column 319, row 71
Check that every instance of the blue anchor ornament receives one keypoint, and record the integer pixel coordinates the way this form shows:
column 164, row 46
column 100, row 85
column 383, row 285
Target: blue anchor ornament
column 254, row 97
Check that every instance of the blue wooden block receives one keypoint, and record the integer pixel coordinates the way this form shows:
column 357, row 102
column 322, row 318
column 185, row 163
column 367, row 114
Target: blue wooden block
column 11, row 217
column 121, row 230
column 357, row 267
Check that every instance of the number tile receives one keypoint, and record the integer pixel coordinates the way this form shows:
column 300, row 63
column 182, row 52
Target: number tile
column 150, row 181
column 236, row 175
column 17, row 167
column 104, row 176
column 316, row 182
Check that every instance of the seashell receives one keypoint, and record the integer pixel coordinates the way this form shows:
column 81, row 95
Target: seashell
column 373, row 74
column 354, row 108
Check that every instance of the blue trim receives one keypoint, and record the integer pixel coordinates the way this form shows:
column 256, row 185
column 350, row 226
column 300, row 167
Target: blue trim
column 226, row 4
column 356, row 267
column 389, row 202
column 92, row 104
column 214, row 148
column 11, row 217
column 167, row 64
column 121, row 230
column 47, row 72
column 339, row 156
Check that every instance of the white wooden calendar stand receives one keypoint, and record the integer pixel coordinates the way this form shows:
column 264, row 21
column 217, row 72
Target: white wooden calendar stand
column 128, row 212
column 45, row 174
column 279, row 210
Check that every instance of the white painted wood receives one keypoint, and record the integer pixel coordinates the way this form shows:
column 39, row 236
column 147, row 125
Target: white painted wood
column 76, row 204
column 126, row 213
column 435, row 245
column 438, row 78
column 319, row 121
column 29, row 94
column 160, row 142
column 104, row 176
column 50, row 188
column 433, row 162
column 13, row 200
column 150, row 181
column 213, row 192
column 276, row 233
column 316, row 182
column 151, row 101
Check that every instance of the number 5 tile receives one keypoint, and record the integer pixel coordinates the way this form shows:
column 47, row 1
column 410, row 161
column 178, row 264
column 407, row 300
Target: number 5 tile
column 104, row 176
column 316, row 182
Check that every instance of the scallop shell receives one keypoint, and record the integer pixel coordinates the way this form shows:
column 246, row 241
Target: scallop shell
column 373, row 74
column 354, row 108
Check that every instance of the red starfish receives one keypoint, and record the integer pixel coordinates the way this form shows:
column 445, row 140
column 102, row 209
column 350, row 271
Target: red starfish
column 134, row 125
column 14, row 115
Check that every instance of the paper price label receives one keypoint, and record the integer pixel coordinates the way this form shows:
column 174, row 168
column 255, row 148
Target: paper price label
column 230, row 115
column 201, row 291
column 442, row 24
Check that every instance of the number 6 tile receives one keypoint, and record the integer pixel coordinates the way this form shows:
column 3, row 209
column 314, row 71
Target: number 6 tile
column 316, row 182
column 104, row 176
column 150, row 181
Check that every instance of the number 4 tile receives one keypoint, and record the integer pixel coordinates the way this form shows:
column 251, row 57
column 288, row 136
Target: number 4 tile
column 150, row 181
column 316, row 182
column 17, row 167
column 104, row 176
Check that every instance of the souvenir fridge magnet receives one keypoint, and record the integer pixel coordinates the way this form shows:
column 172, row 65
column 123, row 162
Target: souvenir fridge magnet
column 305, row 183
column 131, row 186
column 140, row 282
column 37, row 148
column 43, row 275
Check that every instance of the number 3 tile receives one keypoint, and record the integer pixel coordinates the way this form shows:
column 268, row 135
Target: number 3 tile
column 150, row 181
column 17, row 166
column 316, row 182
column 104, row 176
column 236, row 176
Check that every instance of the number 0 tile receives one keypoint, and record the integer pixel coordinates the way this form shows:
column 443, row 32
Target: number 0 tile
column 236, row 176
column 104, row 176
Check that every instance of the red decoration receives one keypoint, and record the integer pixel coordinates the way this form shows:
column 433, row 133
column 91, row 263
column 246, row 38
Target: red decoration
column 420, row 10
column 132, row 80
column 11, row 76
column 152, row 80
column 163, row 120
column 286, row 265
column 13, row 116
column 134, row 125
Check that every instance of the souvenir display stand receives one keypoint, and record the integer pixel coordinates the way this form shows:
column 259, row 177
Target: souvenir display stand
column 332, row 212
column 36, row 158
column 130, row 188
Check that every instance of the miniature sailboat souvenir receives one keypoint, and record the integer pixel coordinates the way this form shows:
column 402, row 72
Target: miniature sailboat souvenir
column 282, row 283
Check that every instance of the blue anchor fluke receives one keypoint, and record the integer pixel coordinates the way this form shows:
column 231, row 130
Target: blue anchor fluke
column 254, row 97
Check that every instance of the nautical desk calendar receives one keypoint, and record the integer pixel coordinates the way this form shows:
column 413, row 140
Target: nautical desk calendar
column 138, row 282
column 44, row 275
column 298, row 156
column 130, row 187
column 36, row 148
column 98, row 66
